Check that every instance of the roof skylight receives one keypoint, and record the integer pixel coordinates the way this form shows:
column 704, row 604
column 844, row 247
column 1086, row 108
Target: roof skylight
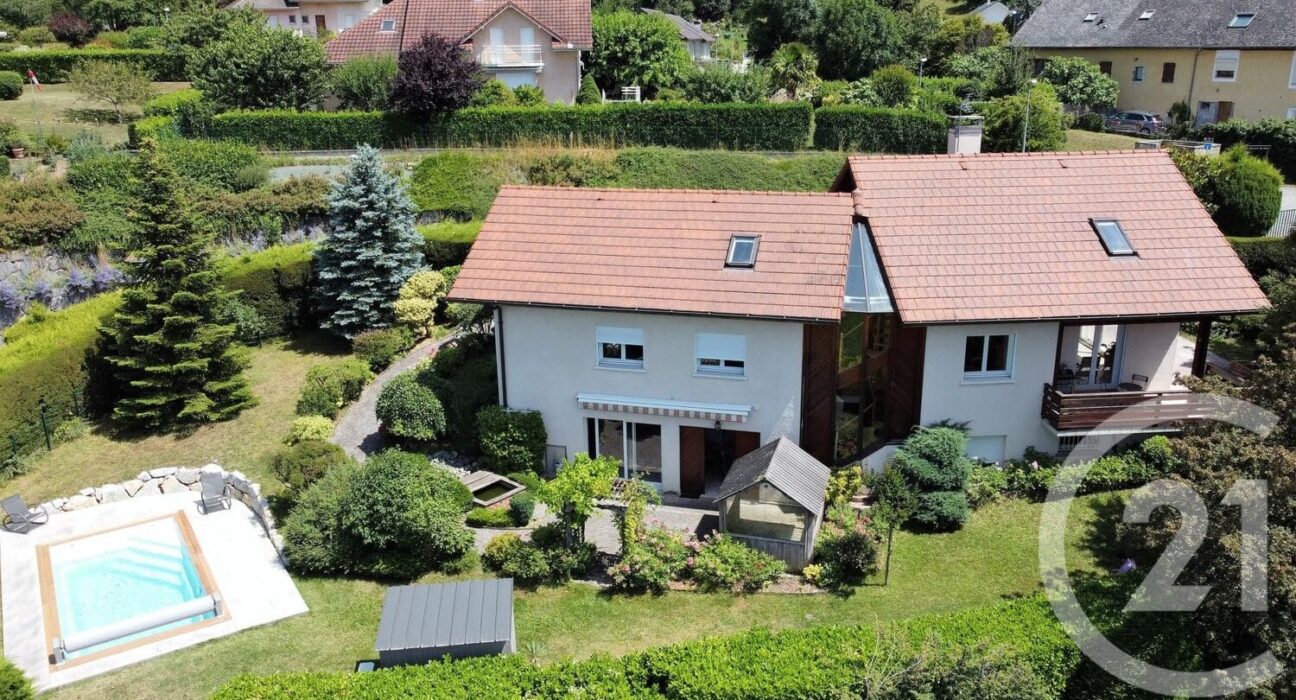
column 1091, row 17
column 742, row 251
column 1113, row 237
column 866, row 290
column 1147, row 14
column 1241, row 20
column 388, row 25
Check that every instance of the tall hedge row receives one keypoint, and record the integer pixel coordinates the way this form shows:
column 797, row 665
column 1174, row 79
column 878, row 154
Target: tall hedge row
column 766, row 127
column 879, row 130
column 276, row 282
column 1265, row 255
column 1278, row 134
column 54, row 65
column 824, row 662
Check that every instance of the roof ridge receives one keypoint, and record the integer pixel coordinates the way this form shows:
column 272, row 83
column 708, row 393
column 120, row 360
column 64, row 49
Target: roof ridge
column 675, row 190
column 1003, row 156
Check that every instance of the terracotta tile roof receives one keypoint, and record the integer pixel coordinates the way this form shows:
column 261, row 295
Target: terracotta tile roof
column 662, row 251
column 1007, row 237
column 567, row 22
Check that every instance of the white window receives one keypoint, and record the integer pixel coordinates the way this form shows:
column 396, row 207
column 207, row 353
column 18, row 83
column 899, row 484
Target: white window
column 638, row 446
column 988, row 356
column 388, row 25
column 742, row 251
column 721, row 355
column 526, row 36
column 620, row 348
column 1241, row 20
column 1226, row 66
column 496, row 36
column 1147, row 14
column 987, row 448
column 1291, row 82
column 1140, row 72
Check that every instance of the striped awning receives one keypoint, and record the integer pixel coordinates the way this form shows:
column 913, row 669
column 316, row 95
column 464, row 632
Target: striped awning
column 729, row 413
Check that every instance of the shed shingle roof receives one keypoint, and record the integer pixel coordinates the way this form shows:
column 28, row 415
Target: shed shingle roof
column 661, row 250
column 688, row 30
column 446, row 615
column 1008, row 237
column 789, row 468
column 1176, row 23
column 567, row 21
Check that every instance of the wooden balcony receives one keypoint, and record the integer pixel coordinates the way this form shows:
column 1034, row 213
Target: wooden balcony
column 1137, row 409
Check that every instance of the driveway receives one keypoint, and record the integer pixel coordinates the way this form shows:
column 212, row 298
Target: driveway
column 357, row 430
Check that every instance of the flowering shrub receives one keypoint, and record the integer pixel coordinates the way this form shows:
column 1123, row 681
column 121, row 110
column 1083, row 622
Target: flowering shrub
column 649, row 564
column 1033, row 474
column 723, row 563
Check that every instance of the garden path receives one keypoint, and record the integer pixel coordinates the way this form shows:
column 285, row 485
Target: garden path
column 357, row 430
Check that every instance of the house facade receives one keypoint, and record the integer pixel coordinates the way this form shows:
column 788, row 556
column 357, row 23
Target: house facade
column 680, row 330
column 1223, row 58
column 312, row 17
column 697, row 41
column 520, row 42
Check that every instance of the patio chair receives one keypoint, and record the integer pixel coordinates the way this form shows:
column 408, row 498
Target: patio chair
column 19, row 518
column 215, row 492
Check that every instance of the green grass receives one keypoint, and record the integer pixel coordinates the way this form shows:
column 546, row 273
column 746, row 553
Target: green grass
column 59, row 110
column 992, row 559
column 1081, row 140
column 451, row 231
column 246, row 443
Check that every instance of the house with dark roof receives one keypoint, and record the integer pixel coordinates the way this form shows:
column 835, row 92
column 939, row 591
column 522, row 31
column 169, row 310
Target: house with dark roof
column 1037, row 298
column 1223, row 58
column 697, row 42
column 311, row 17
column 520, row 42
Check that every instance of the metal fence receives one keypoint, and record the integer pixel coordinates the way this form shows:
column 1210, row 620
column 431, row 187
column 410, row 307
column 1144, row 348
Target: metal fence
column 42, row 433
column 1285, row 224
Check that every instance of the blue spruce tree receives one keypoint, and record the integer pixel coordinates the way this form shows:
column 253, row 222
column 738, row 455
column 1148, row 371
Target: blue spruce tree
column 371, row 248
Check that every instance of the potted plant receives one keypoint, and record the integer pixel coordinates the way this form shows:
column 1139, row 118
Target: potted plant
column 17, row 147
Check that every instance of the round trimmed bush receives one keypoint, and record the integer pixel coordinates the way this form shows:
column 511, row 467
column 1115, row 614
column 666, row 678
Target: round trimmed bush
column 1249, row 194
column 381, row 346
column 306, row 462
column 14, row 685
column 941, row 511
column 11, row 85
column 310, row 428
column 35, row 36
column 410, row 410
column 934, row 459
column 521, row 508
column 510, row 556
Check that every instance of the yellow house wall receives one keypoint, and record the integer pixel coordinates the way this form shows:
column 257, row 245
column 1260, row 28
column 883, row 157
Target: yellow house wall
column 560, row 77
column 1263, row 87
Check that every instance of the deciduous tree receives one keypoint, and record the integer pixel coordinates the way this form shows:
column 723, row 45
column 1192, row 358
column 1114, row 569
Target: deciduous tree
column 116, row 84
column 854, row 38
column 260, row 68
column 433, row 77
column 633, row 48
column 773, row 23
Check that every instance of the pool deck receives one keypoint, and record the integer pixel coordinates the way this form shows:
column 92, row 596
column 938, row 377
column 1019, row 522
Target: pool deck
column 254, row 586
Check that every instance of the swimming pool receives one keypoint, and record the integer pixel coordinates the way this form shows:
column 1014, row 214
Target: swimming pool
column 112, row 588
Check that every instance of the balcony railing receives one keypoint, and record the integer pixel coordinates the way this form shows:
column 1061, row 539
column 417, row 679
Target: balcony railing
column 502, row 56
column 1136, row 409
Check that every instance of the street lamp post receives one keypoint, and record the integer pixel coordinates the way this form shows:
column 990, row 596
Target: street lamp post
column 1030, row 89
column 921, row 62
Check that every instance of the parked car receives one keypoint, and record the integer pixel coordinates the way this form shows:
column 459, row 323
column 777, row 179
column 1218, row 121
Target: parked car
column 1135, row 122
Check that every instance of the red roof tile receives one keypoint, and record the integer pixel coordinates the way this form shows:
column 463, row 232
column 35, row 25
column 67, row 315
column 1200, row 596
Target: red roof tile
column 661, row 250
column 567, row 21
column 1007, row 237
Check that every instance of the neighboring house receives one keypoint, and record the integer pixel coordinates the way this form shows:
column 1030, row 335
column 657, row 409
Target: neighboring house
column 1022, row 294
column 695, row 40
column 521, row 42
column 993, row 12
column 1223, row 58
column 312, row 17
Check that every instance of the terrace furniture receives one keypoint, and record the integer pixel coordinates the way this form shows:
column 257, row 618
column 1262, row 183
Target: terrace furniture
column 19, row 518
column 1139, row 383
column 215, row 492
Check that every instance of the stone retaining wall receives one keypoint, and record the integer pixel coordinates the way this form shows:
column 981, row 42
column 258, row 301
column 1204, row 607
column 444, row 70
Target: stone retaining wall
column 166, row 480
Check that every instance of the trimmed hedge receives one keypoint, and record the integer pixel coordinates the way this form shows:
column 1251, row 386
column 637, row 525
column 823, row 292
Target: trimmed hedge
column 11, row 85
column 823, row 662
column 171, row 104
column 779, row 127
column 54, row 65
column 447, row 244
column 1265, row 255
column 276, row 282
column 155, row 128
column 1278, row 134
column 879, row 130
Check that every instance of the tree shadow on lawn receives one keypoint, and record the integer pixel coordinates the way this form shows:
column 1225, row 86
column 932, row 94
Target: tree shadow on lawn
column 96, row 116
column 1101, row 536
column 318, row 342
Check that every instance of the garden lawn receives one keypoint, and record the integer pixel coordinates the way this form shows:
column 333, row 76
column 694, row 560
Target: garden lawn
column 1081, row 140
column 276, row 373
column 993, row 558
column 57, row 109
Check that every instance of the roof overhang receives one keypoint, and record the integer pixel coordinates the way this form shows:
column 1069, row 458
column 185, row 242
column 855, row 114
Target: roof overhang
column 640, row 310
column 728, row 413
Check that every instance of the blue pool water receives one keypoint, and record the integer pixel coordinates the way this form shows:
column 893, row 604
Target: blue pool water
column 117, row 575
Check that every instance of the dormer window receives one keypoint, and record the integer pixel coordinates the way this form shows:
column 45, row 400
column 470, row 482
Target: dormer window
column 742, row 251
column 1113, row 237
column 1241, row 20
column 1091, row 17
column 388, row 25
column 1147, row 14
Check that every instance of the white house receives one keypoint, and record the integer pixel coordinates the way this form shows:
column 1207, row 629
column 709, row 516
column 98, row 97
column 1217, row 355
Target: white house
column 1028, row 296
column 312, row 17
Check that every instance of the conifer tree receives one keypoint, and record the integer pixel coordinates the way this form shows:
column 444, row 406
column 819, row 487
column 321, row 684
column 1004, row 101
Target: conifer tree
column 171, row 362
column 371, row 248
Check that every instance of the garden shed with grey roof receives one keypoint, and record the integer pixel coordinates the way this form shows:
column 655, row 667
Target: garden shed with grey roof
column 772, row 500
column 427, row 622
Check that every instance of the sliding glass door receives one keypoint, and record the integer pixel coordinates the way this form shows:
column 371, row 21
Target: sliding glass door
column 1091, row 357
column 638, row 446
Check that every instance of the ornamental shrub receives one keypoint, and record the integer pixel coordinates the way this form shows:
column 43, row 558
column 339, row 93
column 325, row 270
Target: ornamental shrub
column 510, row 556
column 35, row 37
column 14, row 684
column 521, row 508
column 410, row 410
column 276, row 69
column 589, row 92
column 382, row 346
column 934, row 463
column 894, row 85
column 331, row 386
column 11, row 85
column 419, row 298
column 941, row 511
column 641, row 571
column 71, row 28
column 434, row 77
column 220, row 164
column 512, row 440
column 489, row 517
column 718, row 83
column 847, row 548
column 306, row 462
column 725, row 564
column 463, row 377
column 1248, row 194
column 1005, row 120
column 529, row 96
column 493, row 93
column 364, row 82
column 310, row 428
